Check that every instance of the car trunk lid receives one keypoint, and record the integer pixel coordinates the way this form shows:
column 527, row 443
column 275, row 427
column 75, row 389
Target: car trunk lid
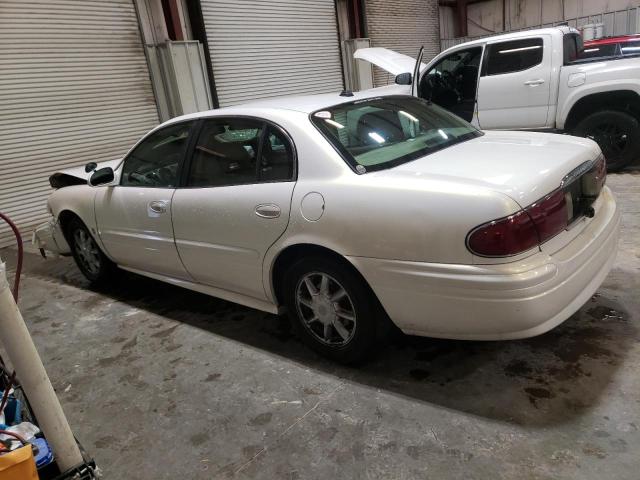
column 524, row 166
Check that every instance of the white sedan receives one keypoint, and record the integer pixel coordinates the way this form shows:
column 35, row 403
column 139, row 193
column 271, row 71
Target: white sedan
column 349, row 210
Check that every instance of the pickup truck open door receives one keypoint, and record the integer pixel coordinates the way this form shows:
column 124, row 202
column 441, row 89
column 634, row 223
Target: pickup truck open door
column 415, row 77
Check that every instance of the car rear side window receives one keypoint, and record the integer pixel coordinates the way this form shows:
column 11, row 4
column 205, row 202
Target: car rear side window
column 594, row 51
column 154, row 162
column 513, row 56
column 630, row 48
column 276, row 157
column 240, row 151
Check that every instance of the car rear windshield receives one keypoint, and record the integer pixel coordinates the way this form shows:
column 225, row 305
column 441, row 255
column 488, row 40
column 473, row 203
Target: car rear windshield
column 383, row 132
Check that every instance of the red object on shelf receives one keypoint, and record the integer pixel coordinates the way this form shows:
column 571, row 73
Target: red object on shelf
column 612, row 40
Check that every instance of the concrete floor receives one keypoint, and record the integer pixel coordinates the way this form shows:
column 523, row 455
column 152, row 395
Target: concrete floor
column 160, row 382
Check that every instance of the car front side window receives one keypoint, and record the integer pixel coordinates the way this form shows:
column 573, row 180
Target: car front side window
column 155, row 161
column 513, row 56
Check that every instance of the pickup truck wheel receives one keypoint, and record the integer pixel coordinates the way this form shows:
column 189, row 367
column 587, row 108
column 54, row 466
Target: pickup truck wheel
column 617, row 133
column 93, row 264
column 331, row 309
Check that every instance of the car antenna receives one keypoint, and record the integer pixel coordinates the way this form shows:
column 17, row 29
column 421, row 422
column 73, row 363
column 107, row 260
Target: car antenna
column 346, row 93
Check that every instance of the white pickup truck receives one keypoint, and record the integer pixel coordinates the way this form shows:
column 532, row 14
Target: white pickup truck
column 531, row 80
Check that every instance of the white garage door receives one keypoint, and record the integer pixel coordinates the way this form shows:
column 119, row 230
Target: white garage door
column 74, row 88
column 403, row 26
column 269, row 48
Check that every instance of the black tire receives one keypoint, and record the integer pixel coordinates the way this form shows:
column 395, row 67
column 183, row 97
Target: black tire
column 369, row 316
column 91, row 261
column 617, row 133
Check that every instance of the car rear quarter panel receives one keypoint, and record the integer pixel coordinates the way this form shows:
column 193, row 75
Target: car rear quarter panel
column 420, row 220
column 373, row 215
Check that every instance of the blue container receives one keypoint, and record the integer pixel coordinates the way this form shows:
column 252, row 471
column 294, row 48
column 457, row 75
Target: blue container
column 12, row 411
column 44, row 455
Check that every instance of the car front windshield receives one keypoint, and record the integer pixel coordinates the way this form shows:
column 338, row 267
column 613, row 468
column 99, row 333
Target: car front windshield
column 383, row 132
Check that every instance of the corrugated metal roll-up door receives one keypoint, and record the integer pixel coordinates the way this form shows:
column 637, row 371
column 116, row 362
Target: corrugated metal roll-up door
column 269, row 48
column 74, row 88
column 403, row 26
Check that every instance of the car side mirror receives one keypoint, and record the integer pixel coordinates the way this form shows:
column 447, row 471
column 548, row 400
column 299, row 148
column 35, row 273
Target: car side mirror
column 403, row 79
column 90, row 167
column 102, row 176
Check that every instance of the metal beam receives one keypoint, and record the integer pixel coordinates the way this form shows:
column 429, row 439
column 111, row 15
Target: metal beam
column 460, row 7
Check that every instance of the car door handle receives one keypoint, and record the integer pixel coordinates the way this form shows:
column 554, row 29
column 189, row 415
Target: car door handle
column 267, row 210
column 534, row 83
column 158, row 206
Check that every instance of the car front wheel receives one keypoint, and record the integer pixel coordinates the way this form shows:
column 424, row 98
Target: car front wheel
column 93, row 264
column 332, row 309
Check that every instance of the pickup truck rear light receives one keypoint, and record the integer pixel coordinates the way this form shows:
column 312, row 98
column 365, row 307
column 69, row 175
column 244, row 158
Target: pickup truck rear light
column 521, row 231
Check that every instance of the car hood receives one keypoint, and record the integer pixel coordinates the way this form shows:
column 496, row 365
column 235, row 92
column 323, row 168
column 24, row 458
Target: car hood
column 393, row 62
column 77, row 175
column 525, row 166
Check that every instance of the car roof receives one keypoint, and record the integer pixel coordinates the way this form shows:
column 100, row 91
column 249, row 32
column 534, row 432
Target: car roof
column 610, row 40
column 311, row 103
column 563, row 29
column 303, row 103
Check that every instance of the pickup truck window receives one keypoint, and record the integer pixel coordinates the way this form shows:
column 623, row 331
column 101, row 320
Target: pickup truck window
column 608, row 50
column 513, row 56
column 453, row 81
column 572, row 47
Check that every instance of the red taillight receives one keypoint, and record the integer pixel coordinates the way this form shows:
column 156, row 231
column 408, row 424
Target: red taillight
column 521, row 231
column 506, row 236
column 549, row 215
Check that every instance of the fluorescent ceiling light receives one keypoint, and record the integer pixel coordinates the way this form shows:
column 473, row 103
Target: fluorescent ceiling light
column 513, row 50
column 408, row 115
column 377, row 137
column 334, row 123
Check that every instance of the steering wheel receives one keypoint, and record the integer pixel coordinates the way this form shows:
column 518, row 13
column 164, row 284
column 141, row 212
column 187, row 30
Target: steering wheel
column 440, row 91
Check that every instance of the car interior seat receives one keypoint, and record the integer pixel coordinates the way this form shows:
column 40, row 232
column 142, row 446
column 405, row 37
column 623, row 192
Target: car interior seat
column 217, row 162
column 382, row 124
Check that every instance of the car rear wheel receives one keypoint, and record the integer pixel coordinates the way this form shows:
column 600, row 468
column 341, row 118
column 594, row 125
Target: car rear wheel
column 93, row 264
column 332, row 309
column 617, row 133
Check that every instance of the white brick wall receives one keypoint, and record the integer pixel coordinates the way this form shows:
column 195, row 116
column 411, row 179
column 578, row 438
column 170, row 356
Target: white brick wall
column 403, row 26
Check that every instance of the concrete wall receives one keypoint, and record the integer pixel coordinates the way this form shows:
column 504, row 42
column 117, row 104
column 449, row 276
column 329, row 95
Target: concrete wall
column 403, row 26
column 487, row 17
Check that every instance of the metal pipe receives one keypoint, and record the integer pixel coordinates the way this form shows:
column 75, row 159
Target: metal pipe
column 25, row 360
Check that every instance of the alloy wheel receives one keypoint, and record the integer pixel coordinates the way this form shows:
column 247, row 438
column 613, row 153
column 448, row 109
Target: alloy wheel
column 612, row 139
column 326, row 309
column 87, row 251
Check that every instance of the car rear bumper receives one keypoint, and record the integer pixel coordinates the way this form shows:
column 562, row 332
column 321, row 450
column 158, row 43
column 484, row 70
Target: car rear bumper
column 497, row 302
column 50, row 238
